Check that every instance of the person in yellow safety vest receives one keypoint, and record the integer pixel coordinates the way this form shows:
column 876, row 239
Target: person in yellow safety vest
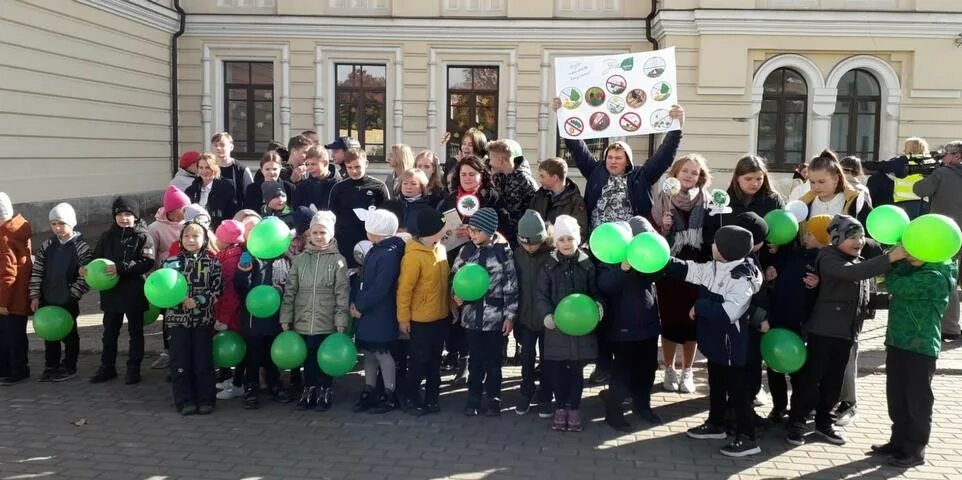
column 917, row 151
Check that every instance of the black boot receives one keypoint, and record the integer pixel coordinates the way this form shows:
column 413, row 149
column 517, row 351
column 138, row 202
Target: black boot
column 104, row 373
column 385, row 403
column 132, row 377
column 325, row 398
column 251, row 402
column 366, row 402
column 614, row 415
column 308, row 399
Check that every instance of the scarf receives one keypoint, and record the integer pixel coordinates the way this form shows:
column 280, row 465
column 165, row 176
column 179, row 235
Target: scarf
column 683, row 233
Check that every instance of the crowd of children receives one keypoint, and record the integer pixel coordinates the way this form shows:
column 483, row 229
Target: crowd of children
column 368, row 260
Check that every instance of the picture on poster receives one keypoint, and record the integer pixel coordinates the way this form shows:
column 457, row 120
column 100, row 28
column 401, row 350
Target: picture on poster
column 616, row 95
column 450, row 240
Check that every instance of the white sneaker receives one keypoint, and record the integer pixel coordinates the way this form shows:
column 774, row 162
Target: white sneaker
column 162, row 362
column 687, row 381
column 671, row 380
column 230, row 392
column 224, row 384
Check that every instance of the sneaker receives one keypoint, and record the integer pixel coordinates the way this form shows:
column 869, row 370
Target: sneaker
column 560, row 422
column 365, row 402
column 492, row 407
column 385, row 403
column 205, row 409
column 229, row 392
column 132, row 377
column 598, row 376
column 251, row 402
column 325, row 399
column 574, row 420
column 671, row 380
column 104, row 373
column 910, row 461
column 884, row 449
column 471, row 410
column 777, row 416
column 14, row 379
column 795, row 435
column 545, row 410
column 828, row 432
column 648, row 415
column 223, row 374
column 707, row 431
column 845, row 414
column 280, row 395
column 741, row 446
column 64, row 374
column 523, row 406
column 48, row 374
column 308, row 399
column 187, row 409
column 162, row 362
column 687, row 384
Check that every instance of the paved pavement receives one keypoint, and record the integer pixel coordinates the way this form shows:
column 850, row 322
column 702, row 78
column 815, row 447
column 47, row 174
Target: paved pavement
column 78, row 430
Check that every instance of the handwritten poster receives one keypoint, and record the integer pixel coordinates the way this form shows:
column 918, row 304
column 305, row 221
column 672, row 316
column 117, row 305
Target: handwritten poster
column 616, row 95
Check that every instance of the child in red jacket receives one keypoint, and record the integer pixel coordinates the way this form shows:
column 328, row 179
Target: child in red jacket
column 15, row 268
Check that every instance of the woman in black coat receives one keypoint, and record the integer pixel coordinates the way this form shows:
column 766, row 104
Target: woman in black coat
column 212, row 192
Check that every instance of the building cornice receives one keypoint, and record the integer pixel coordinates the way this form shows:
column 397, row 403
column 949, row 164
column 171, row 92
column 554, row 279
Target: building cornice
column 806, row 23
column 399, row 29
column 141, row 11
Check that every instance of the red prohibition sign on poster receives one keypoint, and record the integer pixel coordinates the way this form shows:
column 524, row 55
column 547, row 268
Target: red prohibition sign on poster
column 630, row 122
column 574, row 126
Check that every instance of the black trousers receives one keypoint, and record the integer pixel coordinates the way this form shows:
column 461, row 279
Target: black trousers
column 778, row 385
column 634, row 371
column 605, row 361
column 259, row 355
column 727, row 387
column 13, row 345
column 456, row 342
column 484, row 364
column 567, row 381
column 192, row 366
column 753, row 363
column 908, row 390
column 113, row 322
column 71, row 344
column 313, row 375
column 819, row 383
column 531, row 342
column 427, row 341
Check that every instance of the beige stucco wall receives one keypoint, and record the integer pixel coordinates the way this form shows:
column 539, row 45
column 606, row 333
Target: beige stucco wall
column 86, row 103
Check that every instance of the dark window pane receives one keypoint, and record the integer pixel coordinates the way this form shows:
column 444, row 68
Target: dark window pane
column 596, row 146
column 237, row 94
column 486, row 79
column 262, row 73
column 839, row 140
column 773, row 84
column 360, row 105
column 866, row 132
column 263, row 121
column 841, row 106
column 793, row 158
column 866, row 84
column 770, row 106
column 783, row 118
column 374, row 76
column 846, row 86
column 795, row 132
column 766, row 131
column 472, row 102
column 796, row 105
column 867, row 106
column 262, row 94
column 238, row 72
column 794, row 84
column 345, row 75
column 460, row 78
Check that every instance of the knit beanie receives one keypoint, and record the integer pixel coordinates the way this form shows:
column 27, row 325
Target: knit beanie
column 485, row 219
column 381, row 223
column 6, row 207
column 427, row 222
column 123, row 204
column 188, row 159
column 753, row 223
column 64, row 213
column 325, row 219
column 844, row 227
column 733, row 243
column 230, row 231
column 272, row 190
column 531, row 229
column 303, row 217
column 174, row 199
column 567, row 226
column 639, row 224
column 818, row 227
column 192, row 211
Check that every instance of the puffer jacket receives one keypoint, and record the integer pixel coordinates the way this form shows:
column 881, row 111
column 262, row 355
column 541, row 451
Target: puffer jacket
column 422, row 291
column 316, row 297
column 228, row 307
column 164, row 233
column 501, row 302
column 530, row 266
column 15, row 265
column 843, row 293
column 919, row 297
column 564, row 276
column 263, row 272
column 632, row 313
column 204, row 286
column 376, row 297
column 856, row 204
column 132, row 249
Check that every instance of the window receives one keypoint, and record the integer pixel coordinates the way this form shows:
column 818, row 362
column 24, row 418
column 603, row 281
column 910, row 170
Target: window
column 583, row 6
column 249, row 106
column 855, row 124
column 596, row 146
column 245, row 3
column 474, row 7
column 782, row 119
column 359, row 4
column 472, row 102
column 361, row 110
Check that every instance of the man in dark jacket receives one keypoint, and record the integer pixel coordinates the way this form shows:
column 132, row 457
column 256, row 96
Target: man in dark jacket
column 322, row 176
column 558, row 195
column 131, row 248
column 511, row 176
column 358, row 191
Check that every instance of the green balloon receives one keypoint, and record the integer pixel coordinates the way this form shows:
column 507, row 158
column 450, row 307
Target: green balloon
column 270, row 238
column 97, row 278
column 263, row 301
column 576, row 315
column 150, row 316
column 165, row 288
column 471, row 282
column 887, row 224
column 648, row 252
column 337, row 355
column 288, row 350
column 782, row 227
column 229, row 349
column 609, row 242
column 783, row 350
column 932, row 238
column 52, row 323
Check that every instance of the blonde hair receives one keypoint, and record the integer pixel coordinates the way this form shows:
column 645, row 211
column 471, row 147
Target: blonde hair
column 211, row 162
column 403, row 158
column 225, row 136
column 246, row 213
column 317, row 151
column 354, row 155
column 418, row 175
column 915, row 146
column 704, row 176
column 434, row 183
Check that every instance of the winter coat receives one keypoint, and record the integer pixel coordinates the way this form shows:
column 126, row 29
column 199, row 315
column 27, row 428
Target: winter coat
column 56, row 276
column 843, row 293
column 422, row 290
column 182, row 179
column 316, row 191
column 239, row 177
column 640, row 177
column 568, row 202
column 263, row 272
column 409, row 210
column 918, row 299
column 204, row 286
column 346, row 196
column 943, row 187
column 133, row 251
column 792, row 300
column 164, row 233
column 15, row 265
column 376, row 297
column 564, row 276
column 222, row 201
column 228, row 307
column 316, row 297
column 254, row 196
column 632, row 313
column 516, row 190
column 500, row 303
column 725, row 293
column 530, row 266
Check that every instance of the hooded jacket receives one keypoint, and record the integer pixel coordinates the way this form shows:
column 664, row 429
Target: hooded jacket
column 843, row 293
column 500, row 303
column 943, row 187
column 273, row 272
column 133, row 251
column 227, row 310
column 856, row 204
column 422, row 291
column 203, row 276
column 376, row 297
column 182, row 179
column 919, row 297
column 364, row 193
column 568, row 202
column 56, row 276
column 563, row 276
column 530, row 266
column 15, row 265
column 316, row 296
column 640, row 177
column 164, row 233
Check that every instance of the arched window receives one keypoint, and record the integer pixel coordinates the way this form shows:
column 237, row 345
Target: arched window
column 782, row 119
column 855, row 124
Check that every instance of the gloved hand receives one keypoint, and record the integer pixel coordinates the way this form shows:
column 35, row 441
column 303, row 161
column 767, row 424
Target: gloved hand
column 549, row 322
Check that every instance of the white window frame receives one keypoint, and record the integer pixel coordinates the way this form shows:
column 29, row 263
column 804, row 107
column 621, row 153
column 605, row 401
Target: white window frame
column 487, row 8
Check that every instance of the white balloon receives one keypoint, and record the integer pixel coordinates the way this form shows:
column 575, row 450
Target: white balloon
column 798, row 209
